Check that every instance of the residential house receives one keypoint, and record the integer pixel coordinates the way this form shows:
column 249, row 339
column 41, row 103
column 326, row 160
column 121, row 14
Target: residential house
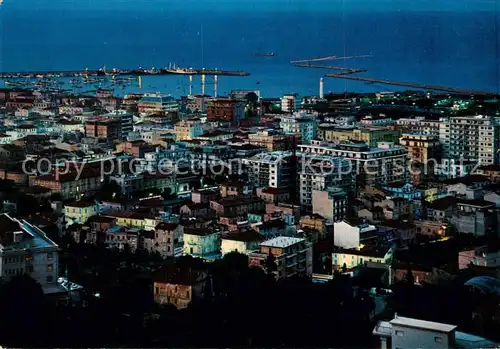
column 485, row 256
column 79, row 211
column 357, row 257
column 475, row 217
column 235, row 188
column 403, row 231
column 194, row 209
column 26, row 249
column 396, row 208
column 237, row 206
column 242, row 242
column 492, row 172
column 202, row 242
column 442, row 209
column 273, row 195
column 169, row 239
column 352, row 233
column 469, row 187
column 179, row 286
column 317, row 222
column 402, row 190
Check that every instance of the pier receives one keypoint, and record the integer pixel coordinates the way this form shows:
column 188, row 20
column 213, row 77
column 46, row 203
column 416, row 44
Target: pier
column 119, row 72
column 413, row 85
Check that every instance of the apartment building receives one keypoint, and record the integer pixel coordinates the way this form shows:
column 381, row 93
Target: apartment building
column 331, row 203
column 381, row 165
column 318, row 172
column 290, row 103
column 109, row 128
column 270, row 170
column 304, row 125
column 369, row 135
column 418, row 125
column 25, row 249
column 225, row 110
column 471, row 138
column 188, row 129
column 70, row 185
column 423, row 150
column 154, row 103
column 292, row 256
column 272, row 140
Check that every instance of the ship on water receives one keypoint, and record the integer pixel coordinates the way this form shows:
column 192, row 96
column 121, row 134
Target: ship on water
column 259, row 54
column 173, row 69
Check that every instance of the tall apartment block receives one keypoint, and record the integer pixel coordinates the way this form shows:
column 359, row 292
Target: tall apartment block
column 381, row 165
column 317, row 172
column 471, row 138
column 272, row 169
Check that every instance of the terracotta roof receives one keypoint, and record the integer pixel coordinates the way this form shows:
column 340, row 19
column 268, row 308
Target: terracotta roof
column 245, row 236
column 166, row 226
column 81, row 203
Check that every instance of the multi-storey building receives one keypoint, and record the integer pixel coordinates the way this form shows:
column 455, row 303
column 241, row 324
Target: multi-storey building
column 202, row 243
column 237, row 206
column 195, row 103
column 109, row 128
column 127, row 121
column 424, row 152
column 418, row 125
column 317, row 172
column 271, row 169
column 370, row 135
column 179, row 286
column 304, row 125
column 154, row 103
column 330, row 203
column 225, row 110
column 381, row 165
column 70, row 185
column 290, row 103
column 273, row 141
column 188, row 129
column 290, row 256
column 25, row 249
column 169, row 239
column 471, row 138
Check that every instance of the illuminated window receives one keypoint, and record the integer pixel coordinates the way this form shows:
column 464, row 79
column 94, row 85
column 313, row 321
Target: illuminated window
column 400, row 333
column 50, row 267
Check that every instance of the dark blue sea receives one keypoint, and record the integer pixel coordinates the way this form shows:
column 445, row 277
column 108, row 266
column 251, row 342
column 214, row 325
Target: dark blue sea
column 457, row 49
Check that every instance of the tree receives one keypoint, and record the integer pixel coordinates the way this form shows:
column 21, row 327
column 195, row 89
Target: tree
column 109, row 190
column 409, row 277
column 21, row 295
column 344, row 268
column 271, row 264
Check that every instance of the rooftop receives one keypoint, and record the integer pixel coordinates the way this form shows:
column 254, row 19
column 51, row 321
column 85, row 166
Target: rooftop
column 282, row 242
column 422, row 324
